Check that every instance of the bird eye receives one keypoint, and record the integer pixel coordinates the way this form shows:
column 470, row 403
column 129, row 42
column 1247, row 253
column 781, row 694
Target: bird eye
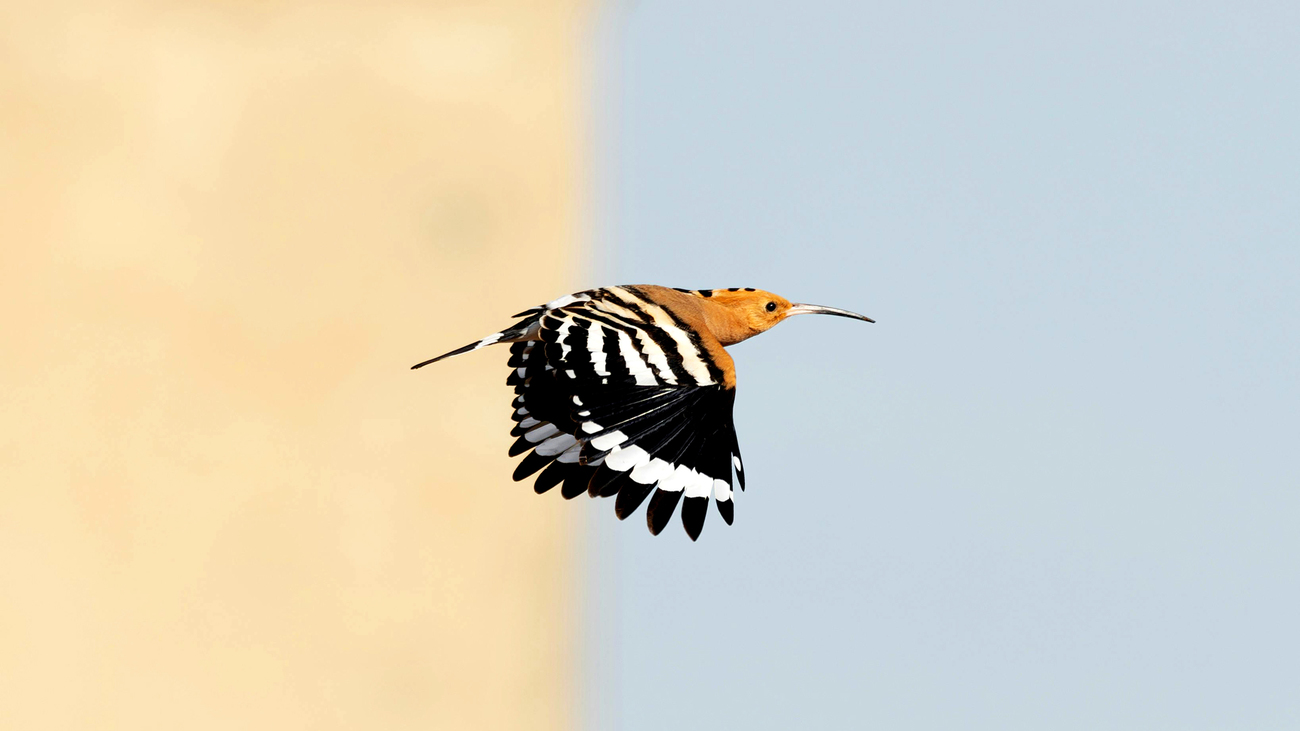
column 771, row 307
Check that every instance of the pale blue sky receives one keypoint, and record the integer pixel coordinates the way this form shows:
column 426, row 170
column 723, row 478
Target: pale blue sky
column 1056, row 487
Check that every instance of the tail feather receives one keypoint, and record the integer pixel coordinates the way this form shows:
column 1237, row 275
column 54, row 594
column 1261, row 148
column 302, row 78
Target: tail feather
column 494, row 337
column 520, row 331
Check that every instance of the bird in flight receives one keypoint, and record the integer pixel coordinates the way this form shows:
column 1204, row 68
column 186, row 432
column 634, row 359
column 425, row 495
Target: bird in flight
column 624, row 391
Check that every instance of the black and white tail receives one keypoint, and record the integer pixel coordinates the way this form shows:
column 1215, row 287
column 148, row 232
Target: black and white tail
column 523, row 330
column 526, row 329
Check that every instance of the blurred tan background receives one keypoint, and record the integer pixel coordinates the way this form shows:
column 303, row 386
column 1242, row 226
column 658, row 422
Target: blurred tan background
column 226, row 231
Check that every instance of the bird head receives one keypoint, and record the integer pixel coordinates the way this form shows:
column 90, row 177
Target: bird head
column 745, row 312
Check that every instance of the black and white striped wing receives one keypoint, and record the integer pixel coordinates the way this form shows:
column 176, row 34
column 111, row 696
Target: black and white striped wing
column 673, row 442
column 545, row 429
column 619, row 399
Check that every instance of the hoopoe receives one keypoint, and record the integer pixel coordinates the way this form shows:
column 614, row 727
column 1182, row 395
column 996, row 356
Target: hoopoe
column 628, row 390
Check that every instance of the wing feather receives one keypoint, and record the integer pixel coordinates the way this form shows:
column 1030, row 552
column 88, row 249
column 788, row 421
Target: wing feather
column 613, row 402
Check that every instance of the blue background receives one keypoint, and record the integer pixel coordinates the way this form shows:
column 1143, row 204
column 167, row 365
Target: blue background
column 1056, row 485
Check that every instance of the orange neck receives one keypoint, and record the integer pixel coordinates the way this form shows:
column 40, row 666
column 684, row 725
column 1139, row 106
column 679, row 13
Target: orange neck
column 726, row 324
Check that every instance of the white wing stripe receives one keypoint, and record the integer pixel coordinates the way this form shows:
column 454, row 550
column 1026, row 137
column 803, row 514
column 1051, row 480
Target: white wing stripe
column 571, row 455
column 699, row 485
column 596, row 348
column 634, row 362
column 561, row 334
column 692, row 358
column 626, row 458
column 542, row 433
column 647, row 345
column 658, row 358
column 556, row 445
column 677, row 480
column 651, row 472
column 609, row 441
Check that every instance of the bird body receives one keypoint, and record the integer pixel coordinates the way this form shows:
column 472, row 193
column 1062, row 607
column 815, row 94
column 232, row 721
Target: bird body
column 628, row 391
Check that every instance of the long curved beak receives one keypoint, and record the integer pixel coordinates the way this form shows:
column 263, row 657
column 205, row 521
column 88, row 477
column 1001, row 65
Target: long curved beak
column 821, row 310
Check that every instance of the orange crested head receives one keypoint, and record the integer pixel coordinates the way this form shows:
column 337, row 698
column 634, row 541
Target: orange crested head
column 736, row 314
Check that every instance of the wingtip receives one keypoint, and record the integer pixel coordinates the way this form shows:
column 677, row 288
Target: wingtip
column 662, row 506
column 694, row 510
column 727, row 510
column 630, row 497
